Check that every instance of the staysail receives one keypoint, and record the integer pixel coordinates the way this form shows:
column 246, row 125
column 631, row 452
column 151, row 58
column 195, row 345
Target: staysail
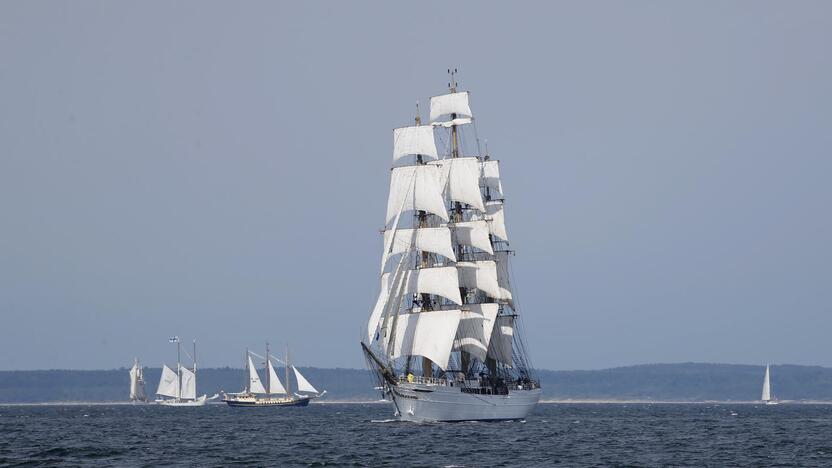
column 303, row 384
column 275, row 386
column 255, row 385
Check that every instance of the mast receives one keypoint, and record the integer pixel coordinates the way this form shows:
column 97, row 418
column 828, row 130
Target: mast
column 248, row 373
column 268, row 374
column 288, row 382
column 424, row 261
column 178, row 369
column 464, row 356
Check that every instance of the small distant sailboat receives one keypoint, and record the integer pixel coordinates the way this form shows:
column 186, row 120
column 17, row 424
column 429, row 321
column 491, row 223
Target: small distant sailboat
column 137, row 393
column 766, row 397
column 273, row 393
column 179, row 387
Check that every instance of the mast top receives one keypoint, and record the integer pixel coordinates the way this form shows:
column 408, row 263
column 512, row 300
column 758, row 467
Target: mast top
column 418, row 115
column 452, row 84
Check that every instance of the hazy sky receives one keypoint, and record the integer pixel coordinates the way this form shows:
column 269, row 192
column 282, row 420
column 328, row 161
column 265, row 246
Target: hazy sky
column 219, row 171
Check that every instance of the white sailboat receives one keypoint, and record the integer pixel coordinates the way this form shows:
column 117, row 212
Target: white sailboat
column 137, row 393
column 179, row 388
column 766, row 396
column 443, row 338
column 273, row 393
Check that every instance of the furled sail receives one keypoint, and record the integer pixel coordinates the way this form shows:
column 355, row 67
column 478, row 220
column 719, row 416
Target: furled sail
column 475, row 326
column 254, row 383
column 501, row 258
column 473, row 233
column 453, row 122
column 767, row 386
column 168, row 383
column 497, row 222
column 502, row 337
column 188, row 384
column 303, row 384
column 413, row 140
column 428, row 334
column 415, row 188
column 447, row 104
column 275, row 386
column 481, row 275
column 430, row 239
column 460, row 180
column 491, row 177
column 441, row 281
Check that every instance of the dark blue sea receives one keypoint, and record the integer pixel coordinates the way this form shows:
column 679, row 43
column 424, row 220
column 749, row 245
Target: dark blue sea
column 364, row 435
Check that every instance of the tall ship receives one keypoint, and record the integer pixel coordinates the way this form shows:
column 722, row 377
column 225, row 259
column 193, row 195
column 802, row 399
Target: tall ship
column 766, row 397
column 179, row 388
column 444, row 337
column 137, row 393
column 273, row 393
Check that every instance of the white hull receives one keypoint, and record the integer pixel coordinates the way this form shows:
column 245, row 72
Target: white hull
column 424, row 403
column 198, row 402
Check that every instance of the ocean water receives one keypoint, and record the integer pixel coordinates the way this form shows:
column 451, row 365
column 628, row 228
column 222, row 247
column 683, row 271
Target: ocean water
column 365, row 435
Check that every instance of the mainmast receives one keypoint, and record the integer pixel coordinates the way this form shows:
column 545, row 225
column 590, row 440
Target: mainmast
column 268, row 374
column 288, row 382
column 178, row 368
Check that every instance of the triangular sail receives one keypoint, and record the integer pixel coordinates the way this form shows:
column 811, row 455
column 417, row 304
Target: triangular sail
column 168, row 383
column 254, row 383
column 303, row 384
column 275, row 386
column 188, row 384
column 767, row 386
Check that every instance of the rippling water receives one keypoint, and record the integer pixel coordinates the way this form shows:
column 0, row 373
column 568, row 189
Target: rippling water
column 364, row 435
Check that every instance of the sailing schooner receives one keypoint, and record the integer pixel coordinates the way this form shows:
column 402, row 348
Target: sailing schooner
column 137, row 393
column 443, row 338
column 179, row 386
column 273, row 393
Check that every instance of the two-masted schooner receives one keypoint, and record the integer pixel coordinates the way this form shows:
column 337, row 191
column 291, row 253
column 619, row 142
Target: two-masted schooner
column 179, row 388
column 273, row 393
column 137, row 393
column 443, row 338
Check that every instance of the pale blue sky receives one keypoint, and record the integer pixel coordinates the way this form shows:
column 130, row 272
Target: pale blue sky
column 219, row 170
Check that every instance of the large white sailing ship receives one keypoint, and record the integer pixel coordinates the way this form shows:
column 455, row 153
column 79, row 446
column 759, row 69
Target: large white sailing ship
column 444, row 338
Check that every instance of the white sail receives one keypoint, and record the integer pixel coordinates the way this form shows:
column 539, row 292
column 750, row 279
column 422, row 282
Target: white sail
column 481, row 275
column 254, row 383
column 428, row 334
column 491, row 178
column 454, row 103
column 412, row 141
column 501, row 258
column 441, row 281
column 430, row 239
column 168, row 383
column 473, row 233
column 502, row 337
column 497, row 222
column 188, row 384
column 134, row 381
column 475, row 326
column 275, row 386
column 767, row 386
column 303, row 384
column 415, row 188
column 460, row 180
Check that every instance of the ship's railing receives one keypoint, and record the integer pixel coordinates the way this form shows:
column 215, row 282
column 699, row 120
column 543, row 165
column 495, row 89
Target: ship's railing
column 410, row 378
